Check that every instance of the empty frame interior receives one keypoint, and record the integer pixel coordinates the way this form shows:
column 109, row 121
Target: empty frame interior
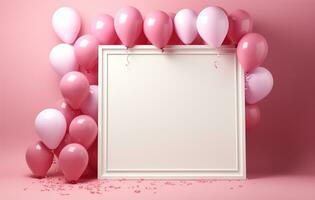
column 177, row 113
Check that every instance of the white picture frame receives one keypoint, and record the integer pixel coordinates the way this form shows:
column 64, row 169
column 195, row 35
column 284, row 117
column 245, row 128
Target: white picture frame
column 176, row 113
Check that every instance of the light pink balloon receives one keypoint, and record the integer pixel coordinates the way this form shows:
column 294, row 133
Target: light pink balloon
column 51, row 125
column 185, row 25
column 64, row 142
column 83, row 130
column 74, row 87
column 67, row 111
column 252, row 116
column 66, row 23
column 62, row 59
column 86, row 50
column 102, row 27
column 39, row 159
column 128, row 25
column 174, row 40
column 73, row 160
column 258, row 84
column 212, row 25
column 158, row 28
column 90, row 105
column 240, row 23
column 252, row 50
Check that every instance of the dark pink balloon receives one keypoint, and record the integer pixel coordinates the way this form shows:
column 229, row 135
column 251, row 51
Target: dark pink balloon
column 83, row 130
column 73, row 160
column 74, row 87
column 91, row 75
column 67, row 111
column 64, row 142
column 86, row 51
column 102, row 27
column 128, row 25
column 93, row 156
column 158, row 28
column 252, row 51
column 252, row 116
column 39, row 159
column 240, row 23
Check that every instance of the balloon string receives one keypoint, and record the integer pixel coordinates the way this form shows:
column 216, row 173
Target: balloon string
column 127, row 59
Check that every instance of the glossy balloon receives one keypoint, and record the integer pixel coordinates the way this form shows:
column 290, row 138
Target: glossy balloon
column 252, row 50
column 83, row 130
column 39, row 159
column 86, row 50
column 158, row 28
column 102, row 27
column 51, row 125
column 212, row 25
column 240, row 23
column 174, row 40
column 66, row 23
column 74, row 87
column 90, row 105
column 185, row 25
column 73, row 160
column 258, row 84
column 252, row 116
column 128, row 25
column 62, row 59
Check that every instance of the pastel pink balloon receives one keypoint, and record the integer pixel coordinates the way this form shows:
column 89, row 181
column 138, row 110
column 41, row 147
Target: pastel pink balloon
column 64, row 142
column 102, row 27
column 73, row 160
column 258, row 84
column 86, row 50
column 185, row 25
column 252, row 50
column 90, row 105
column 91, row 75
column 50, row 125
column 66, row 110
column 83, row 130
column 212, row 25
column 39, row 159
column 93, row 156
column 66, row 23
column 174, row 40
column 252, row 116
column 74, row 87
column 62, row 59
column 240, row 23
column 128, row 25
column 158, row 28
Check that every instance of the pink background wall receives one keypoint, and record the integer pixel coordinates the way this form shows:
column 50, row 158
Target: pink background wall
column 284, row 142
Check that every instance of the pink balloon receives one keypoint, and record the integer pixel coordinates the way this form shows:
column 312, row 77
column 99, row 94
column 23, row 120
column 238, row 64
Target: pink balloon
column 91, row 75
column 252, row 116
column 83, row 130
column 93, row 156
column 128, row 25
column 74, row 87
column 258, row 84
column 212, row 25
column 66, row 23
column 90, row 105
column 62, row 59
column 64, row 142
column 252, row 50
column 158, row 28
column 185, row 25
column 174, row 40
column 73, row 160
column 86, row 50
column 67, row 111
column 39, row 159
column 50, row 125
column 102, row 27
column 240, row 23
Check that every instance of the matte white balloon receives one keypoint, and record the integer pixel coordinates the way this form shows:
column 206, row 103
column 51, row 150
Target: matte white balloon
column 90, row 104
column 62, row 59
column 51, row 125
column 66, row 23
column 185, row 25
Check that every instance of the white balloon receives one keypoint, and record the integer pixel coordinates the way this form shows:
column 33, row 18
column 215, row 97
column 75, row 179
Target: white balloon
column 185, row 25
column 67, row 23
column 51, row 125
column 62, row 59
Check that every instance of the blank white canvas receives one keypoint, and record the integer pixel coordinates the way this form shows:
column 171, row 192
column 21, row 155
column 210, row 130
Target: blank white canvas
column 172, row 114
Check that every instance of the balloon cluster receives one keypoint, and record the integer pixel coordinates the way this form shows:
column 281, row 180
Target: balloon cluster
column 69, row 129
